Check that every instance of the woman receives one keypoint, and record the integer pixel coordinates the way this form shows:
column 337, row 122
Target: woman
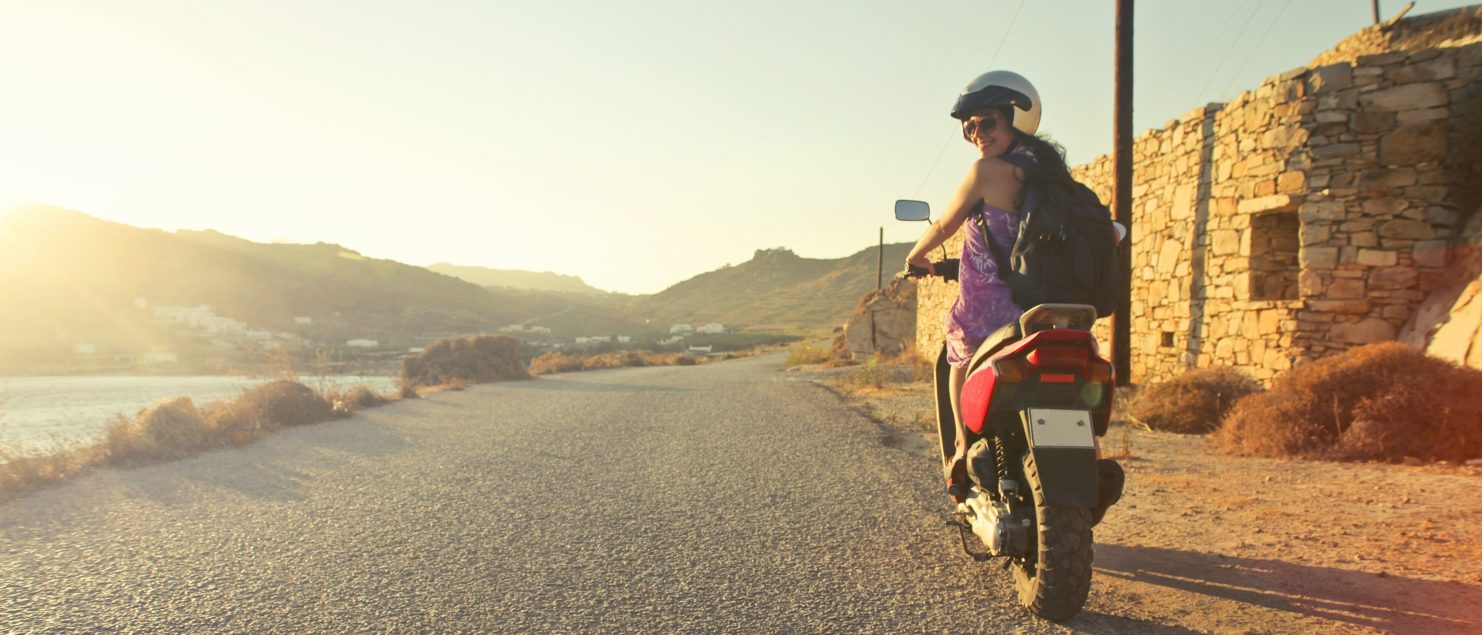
column 1000, row 113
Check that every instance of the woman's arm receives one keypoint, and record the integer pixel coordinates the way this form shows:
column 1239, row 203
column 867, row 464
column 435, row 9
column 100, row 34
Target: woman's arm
column 969, row 195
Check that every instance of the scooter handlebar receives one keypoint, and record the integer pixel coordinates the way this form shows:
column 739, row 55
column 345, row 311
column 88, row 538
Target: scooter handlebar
column 944, row 269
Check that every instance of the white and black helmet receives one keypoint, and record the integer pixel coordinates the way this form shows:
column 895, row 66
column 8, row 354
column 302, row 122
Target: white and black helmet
column 1001, row 88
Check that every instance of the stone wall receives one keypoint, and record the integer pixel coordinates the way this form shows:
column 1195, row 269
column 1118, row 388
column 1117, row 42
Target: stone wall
column 1306, row 216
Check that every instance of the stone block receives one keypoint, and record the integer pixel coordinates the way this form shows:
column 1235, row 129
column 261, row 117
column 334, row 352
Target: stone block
column 1363, row 239
column 1423, row 71
column 1387, row 177
column 1225, row 242
column 1430, row 253
column 1169, row 257
column 1322, row 210
column 1423, row 114
column 1292, row 181
column 1377, row 257
column 1414, row 143
column 1330, row 78
column 1366, row 331
column 1405, row 97
column 1384, row 207
column 1406, row 229
column 1442, row 215
column 1344, row 307
column 1331, row 116
column 1394, row 278
column 1427, row 192
column 1318, row 257
column 1335, row 150
column 1371, row 122
column 1346, row 288
column 1272, row 203
column 1378, row 59
column 1314, row 234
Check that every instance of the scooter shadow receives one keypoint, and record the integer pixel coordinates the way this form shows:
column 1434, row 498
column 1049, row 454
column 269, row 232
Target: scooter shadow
column 1389, row 603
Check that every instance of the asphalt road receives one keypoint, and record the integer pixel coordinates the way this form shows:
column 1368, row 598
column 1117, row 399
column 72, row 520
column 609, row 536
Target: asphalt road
column 721, row 498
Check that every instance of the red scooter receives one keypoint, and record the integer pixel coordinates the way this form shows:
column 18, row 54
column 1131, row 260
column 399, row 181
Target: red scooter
column 1037, row 395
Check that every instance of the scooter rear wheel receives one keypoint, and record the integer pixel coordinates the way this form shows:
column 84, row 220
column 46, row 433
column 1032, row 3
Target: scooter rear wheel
column 1054, row 582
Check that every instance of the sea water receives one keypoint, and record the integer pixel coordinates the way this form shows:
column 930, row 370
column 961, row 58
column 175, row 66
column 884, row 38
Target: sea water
column 39, row 412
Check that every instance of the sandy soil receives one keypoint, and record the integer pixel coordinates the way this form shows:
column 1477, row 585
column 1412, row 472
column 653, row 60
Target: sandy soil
column 1209, row 542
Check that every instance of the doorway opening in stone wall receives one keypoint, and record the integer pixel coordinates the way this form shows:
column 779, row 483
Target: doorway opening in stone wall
column 1274, row 267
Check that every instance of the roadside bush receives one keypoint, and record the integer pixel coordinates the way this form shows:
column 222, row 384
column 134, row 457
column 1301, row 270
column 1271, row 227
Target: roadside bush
column 548, row 363
column 1194, row 402
column 361, row 397
column 1382, row 402
column 476, row 359
column 177, row 428
column 169, row 429
column 805, row 356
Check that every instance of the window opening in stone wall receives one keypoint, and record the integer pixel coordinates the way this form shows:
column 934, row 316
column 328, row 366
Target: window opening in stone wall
column 1273, row 256
column 1167, row 339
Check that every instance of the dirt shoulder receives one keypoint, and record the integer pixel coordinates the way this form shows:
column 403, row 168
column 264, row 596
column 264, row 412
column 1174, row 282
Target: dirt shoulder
column 1209, row 542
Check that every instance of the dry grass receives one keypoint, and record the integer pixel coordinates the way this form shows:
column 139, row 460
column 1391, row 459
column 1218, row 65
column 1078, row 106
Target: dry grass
column 1382, row 402
column 550, row 363
column 1194, row 402
column 177, row 428
column 806, row 355
column 473, row 360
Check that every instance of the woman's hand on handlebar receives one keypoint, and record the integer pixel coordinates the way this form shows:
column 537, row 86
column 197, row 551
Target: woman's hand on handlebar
column 918, row 267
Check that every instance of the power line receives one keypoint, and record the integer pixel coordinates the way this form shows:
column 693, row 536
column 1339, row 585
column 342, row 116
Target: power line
column 1255, row 48
column 1012, row 21
column 1233, row 44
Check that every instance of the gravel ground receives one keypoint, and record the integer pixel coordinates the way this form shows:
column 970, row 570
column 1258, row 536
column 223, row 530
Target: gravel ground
column 718, row 498
column 1214, row 543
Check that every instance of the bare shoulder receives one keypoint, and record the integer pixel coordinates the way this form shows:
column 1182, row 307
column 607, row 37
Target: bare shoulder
column 996, row 170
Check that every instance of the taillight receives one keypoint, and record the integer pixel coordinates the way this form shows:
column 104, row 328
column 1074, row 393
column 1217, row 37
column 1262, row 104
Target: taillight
column 1100, row 372
column 1058, row 356
column 1010, row 370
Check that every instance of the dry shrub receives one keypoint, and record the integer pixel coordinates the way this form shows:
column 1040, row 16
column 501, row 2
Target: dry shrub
column 169, row 429
column 870, row 375
column 265, row 408
column 548, row 363
column 176, row 428
column 1194, row 402
column 1382, row 402
column 806, row 356
column 475, row 359
column 361, row 397
column 21, row 474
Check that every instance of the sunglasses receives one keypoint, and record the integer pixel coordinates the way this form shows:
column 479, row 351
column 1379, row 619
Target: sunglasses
column 972, row 125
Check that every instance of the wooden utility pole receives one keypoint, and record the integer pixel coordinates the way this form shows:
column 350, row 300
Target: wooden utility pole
column 1375, row 4
column 880, row 261
column 1121, row 339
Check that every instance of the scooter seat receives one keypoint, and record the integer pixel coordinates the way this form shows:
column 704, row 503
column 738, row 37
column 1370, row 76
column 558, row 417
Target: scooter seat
column 1005, row 335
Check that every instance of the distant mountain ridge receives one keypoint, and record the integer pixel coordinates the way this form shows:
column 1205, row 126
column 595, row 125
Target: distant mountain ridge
column 775, row 290
column 516, row 278
column 69, row 281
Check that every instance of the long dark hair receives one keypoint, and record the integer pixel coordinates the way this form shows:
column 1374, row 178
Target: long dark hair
column 1049, row 182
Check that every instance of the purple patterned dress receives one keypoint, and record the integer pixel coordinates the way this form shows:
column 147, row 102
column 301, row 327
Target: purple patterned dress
column 984, row 302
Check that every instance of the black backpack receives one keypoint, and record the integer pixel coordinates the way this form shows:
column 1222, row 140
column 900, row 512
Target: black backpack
column 1065, row 250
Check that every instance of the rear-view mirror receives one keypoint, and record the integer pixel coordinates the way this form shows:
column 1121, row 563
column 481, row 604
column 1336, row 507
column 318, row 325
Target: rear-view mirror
column 912, row 210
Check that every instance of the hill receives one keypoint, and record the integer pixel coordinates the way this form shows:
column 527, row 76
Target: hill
column 84, row 281
column 775, row 290
column 516, row 279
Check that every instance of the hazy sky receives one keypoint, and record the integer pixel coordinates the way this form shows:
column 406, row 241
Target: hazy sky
column 632, row 143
